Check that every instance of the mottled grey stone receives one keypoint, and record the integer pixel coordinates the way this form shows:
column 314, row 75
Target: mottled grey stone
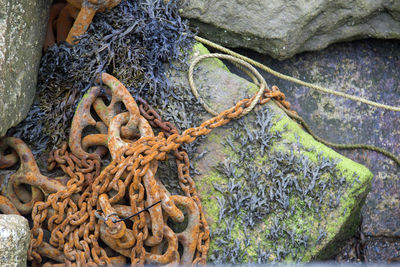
column 14, row 240
column 284, row 28
column 378, row 249
column 22, row 30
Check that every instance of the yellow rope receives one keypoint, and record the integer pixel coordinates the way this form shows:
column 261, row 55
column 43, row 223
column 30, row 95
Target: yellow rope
column 260, row 81
column 341, row 146
column 252, row 71
column 291, row 79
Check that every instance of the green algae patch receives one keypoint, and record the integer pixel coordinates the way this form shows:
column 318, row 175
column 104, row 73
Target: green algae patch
column 86, row 95
column 270, row 191
column 212, row 63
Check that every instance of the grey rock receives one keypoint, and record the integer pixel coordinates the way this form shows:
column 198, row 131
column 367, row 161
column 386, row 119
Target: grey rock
column 14, row 240
column 377, row 249
column 284, row 28
column 22, row 30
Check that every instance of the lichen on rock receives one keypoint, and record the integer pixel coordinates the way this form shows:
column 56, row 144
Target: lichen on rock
column 14, row 240
column 276, row 202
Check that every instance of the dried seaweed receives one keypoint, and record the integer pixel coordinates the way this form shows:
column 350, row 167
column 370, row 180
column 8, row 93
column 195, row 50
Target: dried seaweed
column 133, row 42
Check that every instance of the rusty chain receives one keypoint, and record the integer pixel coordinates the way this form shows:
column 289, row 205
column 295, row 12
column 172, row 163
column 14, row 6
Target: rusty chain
column 185, row 181
column 68, row 209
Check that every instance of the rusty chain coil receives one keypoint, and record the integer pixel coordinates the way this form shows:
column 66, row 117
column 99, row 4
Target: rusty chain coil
column 95, row 203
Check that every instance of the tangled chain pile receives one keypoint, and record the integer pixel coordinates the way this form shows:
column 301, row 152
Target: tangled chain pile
column 133, row 42
column 77, row 219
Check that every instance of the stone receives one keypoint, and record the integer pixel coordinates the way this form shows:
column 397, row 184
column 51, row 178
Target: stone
column 377, row 249
column 284, row 28
column 22, row 31
column 366, row 68
column 269, row 190
column 14, row 240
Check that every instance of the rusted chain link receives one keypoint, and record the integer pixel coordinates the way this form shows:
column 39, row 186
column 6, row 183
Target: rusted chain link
column 185, row 181
column 27, row 174
column 7, row 207
column 72, row 19
column 126, row 218
column 88, row 9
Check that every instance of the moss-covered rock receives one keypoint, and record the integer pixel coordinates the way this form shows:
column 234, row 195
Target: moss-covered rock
column 270, row 191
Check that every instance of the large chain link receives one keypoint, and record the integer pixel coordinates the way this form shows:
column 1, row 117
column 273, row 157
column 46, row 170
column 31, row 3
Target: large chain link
column 72, row 19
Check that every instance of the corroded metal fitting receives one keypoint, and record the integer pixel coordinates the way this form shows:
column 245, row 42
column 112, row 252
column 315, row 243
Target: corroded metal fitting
column 67, row 21
column 28, row 173
column 88, row 9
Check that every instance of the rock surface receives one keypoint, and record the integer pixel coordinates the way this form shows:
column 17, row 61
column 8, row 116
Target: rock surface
column 284, row 28
column 14, row 240
column 367, row 68
column 271, row 192
column 22, row 31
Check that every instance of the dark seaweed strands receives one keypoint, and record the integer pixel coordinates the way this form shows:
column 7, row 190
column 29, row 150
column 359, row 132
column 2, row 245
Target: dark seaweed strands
column 252, row 193
column 133, row 42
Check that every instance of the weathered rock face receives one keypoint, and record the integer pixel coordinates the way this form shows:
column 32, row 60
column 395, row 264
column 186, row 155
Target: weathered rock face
column 284, row 28
column 14, row 240
column 270, row 191
column 22, row 31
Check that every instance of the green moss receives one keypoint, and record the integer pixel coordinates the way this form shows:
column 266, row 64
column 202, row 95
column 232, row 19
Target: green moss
column 208, row 194
column 211, row 63
column 86, row 95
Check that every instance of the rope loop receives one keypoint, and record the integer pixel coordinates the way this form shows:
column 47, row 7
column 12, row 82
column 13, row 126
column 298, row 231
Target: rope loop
column 292, row 79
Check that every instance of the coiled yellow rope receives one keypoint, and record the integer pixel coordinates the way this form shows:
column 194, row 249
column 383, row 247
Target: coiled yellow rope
column 291, row 79
column 259, row 80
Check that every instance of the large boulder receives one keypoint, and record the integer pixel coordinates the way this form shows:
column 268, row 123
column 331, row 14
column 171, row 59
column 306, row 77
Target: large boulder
column 14, row 240
column 22, row 30
column 269, row 190
column 366, row 68
column 284, row 28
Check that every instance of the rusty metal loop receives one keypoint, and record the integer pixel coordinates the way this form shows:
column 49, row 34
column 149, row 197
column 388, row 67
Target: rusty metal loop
column 135, row 214
column 7, row 207
column 28, row 173
column 7, row 160
column 80, row 121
